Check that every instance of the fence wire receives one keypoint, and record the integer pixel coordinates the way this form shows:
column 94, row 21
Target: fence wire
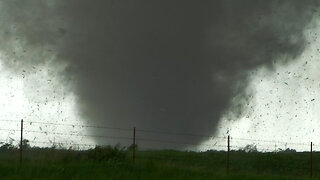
column 144, row 138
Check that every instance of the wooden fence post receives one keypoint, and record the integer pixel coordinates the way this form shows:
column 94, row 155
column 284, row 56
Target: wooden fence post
column 228, row 154
column 134, row 145
column 311, row 160
column 21, row 140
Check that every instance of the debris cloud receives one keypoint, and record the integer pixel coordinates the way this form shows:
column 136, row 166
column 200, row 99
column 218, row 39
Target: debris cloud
column 160, row 65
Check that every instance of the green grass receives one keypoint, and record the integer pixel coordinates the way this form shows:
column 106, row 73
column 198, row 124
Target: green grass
column 116, row 163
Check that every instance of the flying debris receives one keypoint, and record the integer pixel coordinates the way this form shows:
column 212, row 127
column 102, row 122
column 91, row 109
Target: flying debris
column 107, row 52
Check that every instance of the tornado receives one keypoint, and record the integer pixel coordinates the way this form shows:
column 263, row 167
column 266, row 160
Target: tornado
column 168, row 66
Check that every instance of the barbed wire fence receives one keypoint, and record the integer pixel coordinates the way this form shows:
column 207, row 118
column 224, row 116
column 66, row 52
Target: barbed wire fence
column 248, row 145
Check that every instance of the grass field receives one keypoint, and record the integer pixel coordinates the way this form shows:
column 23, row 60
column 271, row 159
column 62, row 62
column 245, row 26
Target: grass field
column 116, row 163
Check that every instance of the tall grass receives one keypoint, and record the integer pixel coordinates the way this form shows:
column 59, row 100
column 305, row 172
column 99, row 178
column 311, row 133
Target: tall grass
column 115, row 163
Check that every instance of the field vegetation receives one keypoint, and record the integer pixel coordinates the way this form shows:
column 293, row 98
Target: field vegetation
column 116, row 163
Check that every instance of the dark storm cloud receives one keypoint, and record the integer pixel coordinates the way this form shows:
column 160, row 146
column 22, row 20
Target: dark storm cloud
column 162, row 65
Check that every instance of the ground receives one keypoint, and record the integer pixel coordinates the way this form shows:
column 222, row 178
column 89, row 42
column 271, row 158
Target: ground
column 116, row 163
